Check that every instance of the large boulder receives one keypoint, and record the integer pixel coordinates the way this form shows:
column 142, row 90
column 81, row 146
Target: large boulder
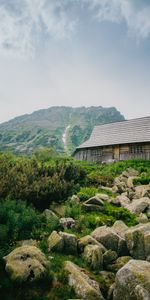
column 123, row 200
column 138, row 241
column 55, row 242
column 93, row 255
column 88, row 240
column 142, row 191
column 110, row 239
column 93, row 204
column 133, row 281
column 138, row 206
column 70, row 242
column 84, row 287
column 120, row 228
column 67, row 223
column 142, row 218
column 92, row 207
column 26, row 263
column 118, row 264
column 130, row 172
column 109, row 257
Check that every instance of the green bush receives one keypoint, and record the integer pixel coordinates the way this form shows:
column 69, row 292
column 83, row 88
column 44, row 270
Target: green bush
column 72, row 210
column 87, row 192
column 142, row 180
column 17, row 222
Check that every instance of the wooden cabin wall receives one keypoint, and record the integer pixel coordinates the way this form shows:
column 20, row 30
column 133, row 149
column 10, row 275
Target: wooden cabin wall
column 116, row 152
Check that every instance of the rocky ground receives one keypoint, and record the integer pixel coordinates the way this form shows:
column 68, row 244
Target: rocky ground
column 119, row 255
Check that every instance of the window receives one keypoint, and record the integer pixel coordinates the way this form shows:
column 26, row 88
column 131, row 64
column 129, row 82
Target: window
column 136, row 149
column 96, row 152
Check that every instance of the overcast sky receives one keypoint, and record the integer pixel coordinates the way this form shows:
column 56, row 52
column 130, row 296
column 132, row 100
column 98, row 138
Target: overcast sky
column 76, row 53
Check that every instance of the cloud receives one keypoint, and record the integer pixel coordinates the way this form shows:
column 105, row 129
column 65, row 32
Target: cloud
column 135, row 13
column 22, row 23
column 26, row 24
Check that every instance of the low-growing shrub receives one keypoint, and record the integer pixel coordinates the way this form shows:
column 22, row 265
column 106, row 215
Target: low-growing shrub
column 72, row 210
column 87, row 192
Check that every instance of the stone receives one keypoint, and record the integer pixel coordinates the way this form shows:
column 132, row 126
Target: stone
column 142, row 191
column 109, row 257
column 130, row 183
column 142, row 218
column 106, row 280
column 133, row 281
column 70, row 242
column 67, row 223
column 120, row 228
column 119, row 263
column 89, row 240
column 138, row 206
column 110, row 239
column 93, row 255
column 55, row 242
column 120, row 187
column 95, row 200
column 92, row 207
column 123, row 200
column 129, row 172
column 26, row 263
column 138, row 241
column 103, row 197
column 75, row 199
column 49, row 215
column 84, row 287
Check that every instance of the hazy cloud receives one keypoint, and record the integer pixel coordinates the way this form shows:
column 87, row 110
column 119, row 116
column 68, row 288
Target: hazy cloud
column 22, row 22
column 135, row 13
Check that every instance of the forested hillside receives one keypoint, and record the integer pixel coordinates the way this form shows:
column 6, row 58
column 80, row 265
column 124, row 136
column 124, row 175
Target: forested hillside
column 62, row 128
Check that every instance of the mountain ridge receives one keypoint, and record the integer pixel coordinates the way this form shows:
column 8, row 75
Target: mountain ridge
column 46, row 128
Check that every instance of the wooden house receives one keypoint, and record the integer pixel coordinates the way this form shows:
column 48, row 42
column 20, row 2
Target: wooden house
column 117, row 141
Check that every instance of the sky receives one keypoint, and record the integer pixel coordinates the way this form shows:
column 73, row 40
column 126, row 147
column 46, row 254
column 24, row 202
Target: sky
column 74, row 53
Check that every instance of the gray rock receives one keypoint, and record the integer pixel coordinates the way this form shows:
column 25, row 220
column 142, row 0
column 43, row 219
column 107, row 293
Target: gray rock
column 109, row 257
column 55, row 242
column 49, row 215
column 92, row 207
column 142, row 218
column 67, row 222
column 89, row 240
column 120, row 228
column 82, row 284
column 75, row 199
column 93, row 255
column 138, row 206
column 26, row 263
column 123, row 200
column 110, row 239
column 133, row 281
column 95, row 200
column 103, row 197
column 70, row 242
column 138, row 241
column 118, row 264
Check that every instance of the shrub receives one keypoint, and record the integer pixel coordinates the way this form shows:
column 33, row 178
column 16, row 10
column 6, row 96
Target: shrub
column 72, row 210
column 87, row 192
column 17, row 222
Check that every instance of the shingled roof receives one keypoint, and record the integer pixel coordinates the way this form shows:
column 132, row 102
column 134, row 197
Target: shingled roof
column 124, row 132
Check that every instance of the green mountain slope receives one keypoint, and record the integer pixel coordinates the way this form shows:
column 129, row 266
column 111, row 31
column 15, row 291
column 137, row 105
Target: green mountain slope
column 62, row 128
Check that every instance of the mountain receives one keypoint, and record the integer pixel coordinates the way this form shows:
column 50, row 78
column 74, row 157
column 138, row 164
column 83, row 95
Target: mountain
column 62, row 128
